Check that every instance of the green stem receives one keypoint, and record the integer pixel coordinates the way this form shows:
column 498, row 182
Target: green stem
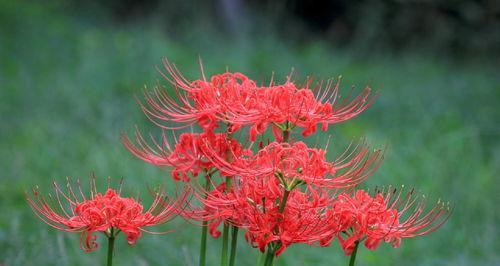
column 260, row 259
column 353, row 254
column 268, row 261
column 111, row 244
column 225, row 232
column 203, row 243
column 234, row 242
column 286, row 135
column 269, row 257
column 270, row 252
column 204, row 228
column 283, row 201
column 225, row 240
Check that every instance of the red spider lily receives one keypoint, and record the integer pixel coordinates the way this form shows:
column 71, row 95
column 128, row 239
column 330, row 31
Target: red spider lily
column 286, row 192
column 286, row 103
column 71, row 211
column 296, row 162
column 255, row 205
column 186, row 156
column 202, row 101
column 388, row 216
column 302, row 220
column 232, row 98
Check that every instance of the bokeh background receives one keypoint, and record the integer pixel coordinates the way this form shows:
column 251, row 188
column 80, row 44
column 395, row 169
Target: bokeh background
column 69, row 71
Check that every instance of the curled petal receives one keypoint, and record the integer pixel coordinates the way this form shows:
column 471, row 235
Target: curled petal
column 88, row 241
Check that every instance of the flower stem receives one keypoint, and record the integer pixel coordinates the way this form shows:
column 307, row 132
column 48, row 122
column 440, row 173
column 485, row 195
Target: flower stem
column 203, row 243
column 204, row 228
column 283, row 201
column 234, row 242
column 225, row 240
column 286, row 135
column 270, row 250
column 260, row 259
column 269, row 257
column 111, row 244
column 353, row 254
column 225, row 232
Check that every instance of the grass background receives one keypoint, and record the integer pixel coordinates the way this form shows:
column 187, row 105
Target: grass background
column 67, row 86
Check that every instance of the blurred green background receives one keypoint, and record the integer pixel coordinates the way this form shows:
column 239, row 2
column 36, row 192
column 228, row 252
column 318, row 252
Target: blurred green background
column 69, row 71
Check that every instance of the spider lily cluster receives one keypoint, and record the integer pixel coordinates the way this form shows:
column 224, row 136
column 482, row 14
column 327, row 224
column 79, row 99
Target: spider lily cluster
column 70, row 209
column 279, row 191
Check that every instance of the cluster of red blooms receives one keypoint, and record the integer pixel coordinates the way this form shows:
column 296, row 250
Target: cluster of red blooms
column 284, row 192
column 235, row 100
column 280, row 193
column 70, row 210
column 387, row 216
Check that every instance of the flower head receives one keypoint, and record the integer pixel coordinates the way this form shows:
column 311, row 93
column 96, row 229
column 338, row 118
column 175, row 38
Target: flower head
column 234, row 99
column 268, row 214
column 186, row 156
column 71, row 211
column 303, row 107
column 296, row 161
column 389, row 216
column 202, row 101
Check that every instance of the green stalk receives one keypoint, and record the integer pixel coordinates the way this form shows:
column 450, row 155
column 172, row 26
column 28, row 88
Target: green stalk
column 203, row 243
column 353, row 254
column 283, row 201
column 234, row 242
column 111, row 244
column 260, row 259
column 270, row 253
column 204, row 228
column 225, row 240
column 286, row 135
column 225, row 231
column 270, row 250
column 269, row 256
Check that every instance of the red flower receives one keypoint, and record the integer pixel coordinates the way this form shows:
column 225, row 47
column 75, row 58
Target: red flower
column 297, row 162
column 254, row 205
column 286, row 192
column 202, row 101
column 287, row 103
column 388, row 216
column 109, row 213
column 187, row 156
column 235, row 100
